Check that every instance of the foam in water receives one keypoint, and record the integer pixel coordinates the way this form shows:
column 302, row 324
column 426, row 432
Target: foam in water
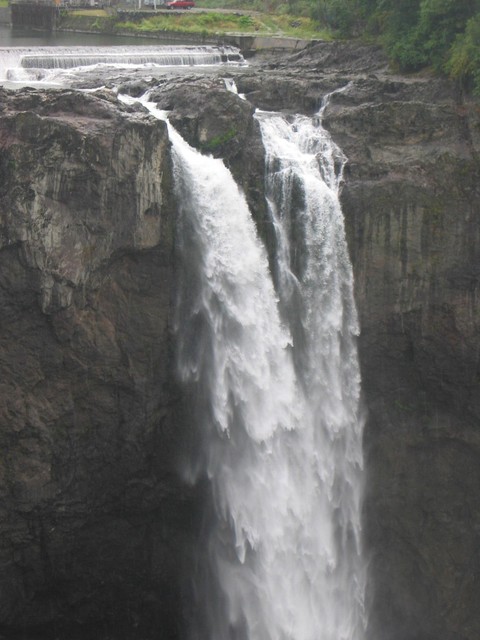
column 51, row 63
column 315, row 287
column 274, row 385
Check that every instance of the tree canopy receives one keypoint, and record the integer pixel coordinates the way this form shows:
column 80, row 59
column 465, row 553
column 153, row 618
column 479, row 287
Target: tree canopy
column 444, row 34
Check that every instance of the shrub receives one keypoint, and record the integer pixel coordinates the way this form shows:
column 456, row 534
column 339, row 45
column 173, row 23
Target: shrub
column 464, row 62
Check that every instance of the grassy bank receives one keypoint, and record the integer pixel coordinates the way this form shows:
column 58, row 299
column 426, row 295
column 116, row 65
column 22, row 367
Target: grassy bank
column 194, row 22
column 91, row 13
column 221, row 23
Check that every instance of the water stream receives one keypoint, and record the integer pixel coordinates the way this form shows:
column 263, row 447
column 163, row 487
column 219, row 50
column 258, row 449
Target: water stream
column 271, row 372
column 47, row 64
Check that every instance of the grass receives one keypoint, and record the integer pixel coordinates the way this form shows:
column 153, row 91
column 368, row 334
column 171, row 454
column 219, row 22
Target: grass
column 3, row 3
column 242, row 20
column 221, row 23
column 275, row 7
column 94, row 13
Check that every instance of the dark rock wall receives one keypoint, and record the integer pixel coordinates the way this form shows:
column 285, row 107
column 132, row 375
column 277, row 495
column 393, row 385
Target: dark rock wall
column 412, row 204
column 93, row 513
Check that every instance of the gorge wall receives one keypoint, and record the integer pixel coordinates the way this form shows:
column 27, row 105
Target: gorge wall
column 412, row 205
column 96, row 522
column 92, row 512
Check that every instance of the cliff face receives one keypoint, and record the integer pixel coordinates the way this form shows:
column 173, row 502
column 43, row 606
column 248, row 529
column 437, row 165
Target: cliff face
column 87, row 471
column 412, row 204
column 97, row 521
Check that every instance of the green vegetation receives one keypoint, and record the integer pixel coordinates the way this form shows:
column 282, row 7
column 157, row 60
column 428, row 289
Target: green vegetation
column 211, row 22
column 3, row 3
column 426, row 35
column 217, row 141
column 96, row 13
column 464, row 60
column 442, row 34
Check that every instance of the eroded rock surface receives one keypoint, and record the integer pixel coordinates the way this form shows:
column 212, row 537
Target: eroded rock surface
column 412, row 204
column 89, row 491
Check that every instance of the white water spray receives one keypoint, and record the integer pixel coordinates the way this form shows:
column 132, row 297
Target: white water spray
column 274, row 386
column 50, row 64
column 315, row 285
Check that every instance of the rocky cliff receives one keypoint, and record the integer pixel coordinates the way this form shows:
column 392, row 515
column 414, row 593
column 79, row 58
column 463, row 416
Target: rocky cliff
column 412, row 202
column 91, row 508
column 97, row 520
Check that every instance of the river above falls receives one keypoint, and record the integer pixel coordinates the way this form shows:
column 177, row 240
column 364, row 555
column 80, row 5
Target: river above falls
column 50, row 60
column 27, row 38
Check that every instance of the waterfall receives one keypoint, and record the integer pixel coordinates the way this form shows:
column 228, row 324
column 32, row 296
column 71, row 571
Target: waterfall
column 314, row 282
column 46, row 63
column 271, row 374
column 277, row 383
column 133, row 56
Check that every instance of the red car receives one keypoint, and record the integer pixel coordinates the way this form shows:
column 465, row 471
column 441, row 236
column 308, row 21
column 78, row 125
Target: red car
column 180, row 4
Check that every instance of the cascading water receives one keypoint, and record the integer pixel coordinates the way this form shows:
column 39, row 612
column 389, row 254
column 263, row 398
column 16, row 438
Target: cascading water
column 274, row 384
column 314, row 282
column 50, row 63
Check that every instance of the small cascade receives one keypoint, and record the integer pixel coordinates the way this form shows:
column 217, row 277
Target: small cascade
column 232, row 87
column 36, row 63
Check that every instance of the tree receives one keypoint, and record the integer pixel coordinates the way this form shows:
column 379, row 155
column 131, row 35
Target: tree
column 339, row 15
column 440, row 22
column 464, row 62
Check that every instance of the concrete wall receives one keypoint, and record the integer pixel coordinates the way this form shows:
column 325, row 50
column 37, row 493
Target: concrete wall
column 5, row 17
column 34, row 16
column 256, row 43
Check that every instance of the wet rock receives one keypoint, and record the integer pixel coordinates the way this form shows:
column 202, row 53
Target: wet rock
column 218, row 122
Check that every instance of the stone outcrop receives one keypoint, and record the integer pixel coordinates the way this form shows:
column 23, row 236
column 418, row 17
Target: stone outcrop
column 412, row 204
column 89, row 490
column 95, row 513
